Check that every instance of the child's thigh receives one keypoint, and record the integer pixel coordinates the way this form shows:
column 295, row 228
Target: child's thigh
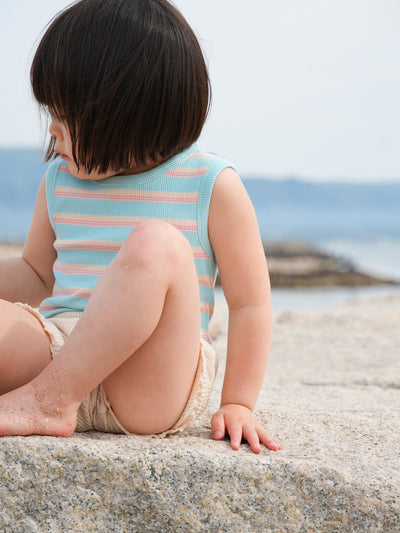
column 149, row 391
column 24, row 347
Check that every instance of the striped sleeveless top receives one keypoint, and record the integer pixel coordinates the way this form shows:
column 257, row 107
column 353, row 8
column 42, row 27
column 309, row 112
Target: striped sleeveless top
column 91, row 220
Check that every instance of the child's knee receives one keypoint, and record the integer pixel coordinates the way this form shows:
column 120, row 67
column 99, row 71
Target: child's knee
column 156, row 241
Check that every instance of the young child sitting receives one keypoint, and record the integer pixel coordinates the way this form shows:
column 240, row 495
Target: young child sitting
column 130, row 223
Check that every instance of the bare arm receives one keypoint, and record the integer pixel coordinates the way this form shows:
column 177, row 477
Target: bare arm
column 29, row 278
column 243, row 270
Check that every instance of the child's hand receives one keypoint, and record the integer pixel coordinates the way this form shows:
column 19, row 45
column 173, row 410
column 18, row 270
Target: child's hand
column 239, row 422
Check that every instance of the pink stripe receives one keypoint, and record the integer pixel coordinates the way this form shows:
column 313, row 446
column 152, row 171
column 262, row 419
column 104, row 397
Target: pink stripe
column 187, row 172
column 206, row 281
column 81, row 222
column 88, row 272
column 108, row 247
column 83, row 247
column 207, row 310
column 66, row 270
column 203, row 155
column 200, row 254
column 82, row 292
column 76, row 294
column 127, row 197
column 115, row 224
column 64, row 169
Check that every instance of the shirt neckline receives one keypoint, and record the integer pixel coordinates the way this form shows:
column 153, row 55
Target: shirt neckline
column 149, row 175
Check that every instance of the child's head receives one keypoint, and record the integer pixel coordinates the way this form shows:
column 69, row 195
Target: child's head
column 127, row 77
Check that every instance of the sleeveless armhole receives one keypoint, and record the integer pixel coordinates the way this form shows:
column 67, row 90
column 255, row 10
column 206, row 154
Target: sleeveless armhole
column 205, row 194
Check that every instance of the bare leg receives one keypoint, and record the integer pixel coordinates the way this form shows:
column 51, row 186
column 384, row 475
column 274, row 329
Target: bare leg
column 24, row 347
column 139, row 334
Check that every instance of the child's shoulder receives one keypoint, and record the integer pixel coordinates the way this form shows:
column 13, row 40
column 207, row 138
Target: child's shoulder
column 209, row 164
column 211, row 157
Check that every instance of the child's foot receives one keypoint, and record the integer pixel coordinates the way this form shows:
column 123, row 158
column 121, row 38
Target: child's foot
column 29, row 411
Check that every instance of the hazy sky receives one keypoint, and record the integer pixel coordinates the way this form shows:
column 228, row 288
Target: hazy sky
column 300, row 87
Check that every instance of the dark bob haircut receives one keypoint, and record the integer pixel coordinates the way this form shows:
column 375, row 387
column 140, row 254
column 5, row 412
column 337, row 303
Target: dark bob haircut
column 129, row 79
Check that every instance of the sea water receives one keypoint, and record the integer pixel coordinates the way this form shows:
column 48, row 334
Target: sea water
column 379, row 257
column 326, row 297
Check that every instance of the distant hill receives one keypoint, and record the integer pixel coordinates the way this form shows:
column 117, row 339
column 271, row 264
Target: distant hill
column 286, row 209
column 293, row 192
column 295, row 209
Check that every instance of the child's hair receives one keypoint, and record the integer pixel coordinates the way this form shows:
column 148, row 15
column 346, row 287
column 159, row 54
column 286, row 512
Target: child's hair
column 129, row 79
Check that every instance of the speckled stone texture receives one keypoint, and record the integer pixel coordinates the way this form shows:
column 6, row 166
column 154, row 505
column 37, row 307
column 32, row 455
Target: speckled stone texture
column 332, row 397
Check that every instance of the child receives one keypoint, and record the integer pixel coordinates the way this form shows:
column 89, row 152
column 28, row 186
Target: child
column 129, row 224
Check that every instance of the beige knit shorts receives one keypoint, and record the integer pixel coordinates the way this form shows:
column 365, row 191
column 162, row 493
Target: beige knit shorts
column 95, row 411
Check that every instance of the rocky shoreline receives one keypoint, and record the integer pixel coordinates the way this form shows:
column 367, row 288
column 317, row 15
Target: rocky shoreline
column 298, row 264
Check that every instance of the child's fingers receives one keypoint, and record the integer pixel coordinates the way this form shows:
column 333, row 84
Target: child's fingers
column 235, row 433
column 232, row 421
column 251, row 435
column 268, row 441
column 218, row 426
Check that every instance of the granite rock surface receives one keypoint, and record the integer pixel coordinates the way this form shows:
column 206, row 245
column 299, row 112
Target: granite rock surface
column 332, row 398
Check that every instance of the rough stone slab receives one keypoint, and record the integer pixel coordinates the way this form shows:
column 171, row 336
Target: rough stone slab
column 331, row 396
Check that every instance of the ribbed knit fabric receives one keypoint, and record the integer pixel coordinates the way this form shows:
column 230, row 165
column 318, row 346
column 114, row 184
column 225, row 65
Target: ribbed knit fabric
column 91, row 220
